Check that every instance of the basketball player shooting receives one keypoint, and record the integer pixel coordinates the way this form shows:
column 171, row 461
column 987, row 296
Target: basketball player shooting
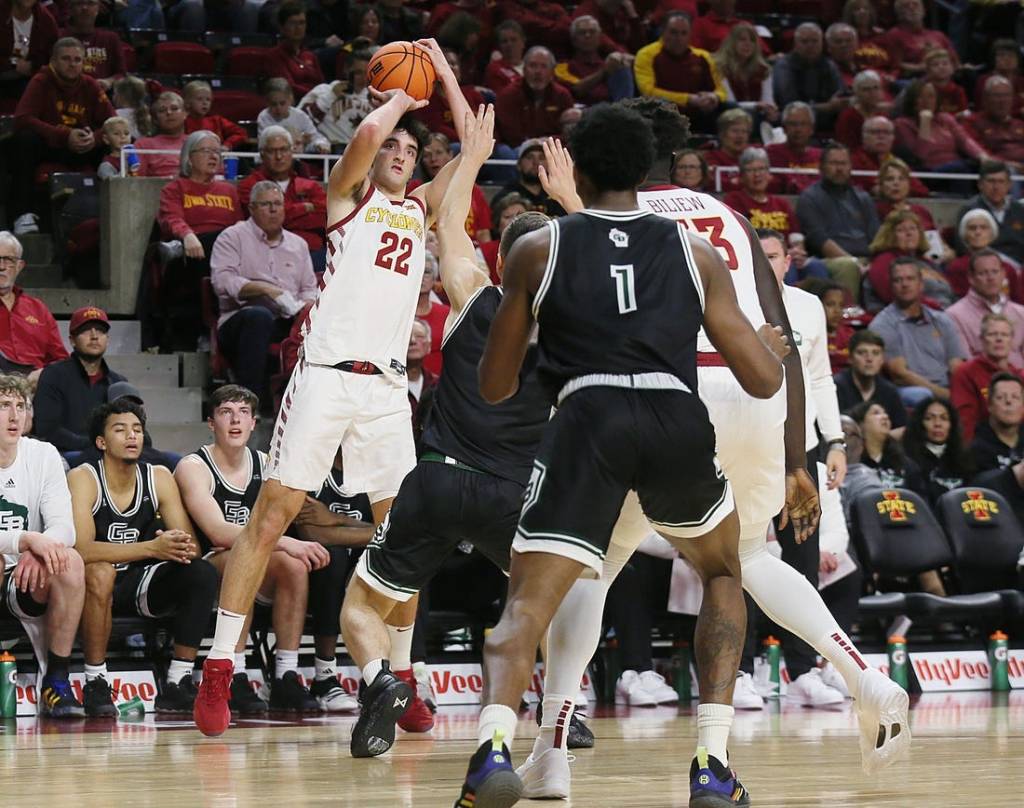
column 349, row 388
column 619, row 295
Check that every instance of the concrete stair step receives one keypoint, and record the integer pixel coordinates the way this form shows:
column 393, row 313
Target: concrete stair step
column 180, row 438
column 172, row 405
column 147, row 370
column 125, row 335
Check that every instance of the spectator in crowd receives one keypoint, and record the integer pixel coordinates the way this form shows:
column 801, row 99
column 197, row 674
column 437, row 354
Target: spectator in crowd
column 933, row 139
column 421, row 380
column 29, row 339
column 263, row 277
column 688, row 77
column 999, row 441
column 868, row 102
column 290, row 59
column 437, row 115
column 922, row 345
column 882, row 451
column 506, row 64
column 691, row 170
column 435, row 155
column 1005, row 63
column 280, row 112
column 219, row 483
column 55, row 122
column 859, row 478
column 746, row 76
column 591, row 77
column 366, row 23
column 710, row 30
column 530, row 108
column 995, row 127
column 894, row 187
column 328, row 23
column 987, row 295
column 994, row 196
column 833, row 300
column 872, row 52
column 838, row 218
column 911, row 40
column 806, row 74
column 977, row 231
column 115, row 135
column 140, row 557
column 434, row 313
column 544, row 23
column 503, row 212
column 527, row 184
column 863, row 381
column 104, row 56
column 69, row 390
column 734, row 128
column 938, row 71
column 337, row 108
column 169, row 114
column 795, row 151
column 876, row 140
column 27, row 37
column 901, row 236
column 969, row 388
column 933, row 442
column 622, row 27
column 841, row 43
column 567, row 122
column 765, row 210
column 305, row 201
column 198, row 99
column 46, row 587
column 398, row 23
column 131, row 101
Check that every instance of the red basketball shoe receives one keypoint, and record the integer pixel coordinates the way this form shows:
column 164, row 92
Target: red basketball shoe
column 418, row 717
column 211, row 711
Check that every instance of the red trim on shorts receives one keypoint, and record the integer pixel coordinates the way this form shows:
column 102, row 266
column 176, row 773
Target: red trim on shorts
column 351, row 214
column 711, row 359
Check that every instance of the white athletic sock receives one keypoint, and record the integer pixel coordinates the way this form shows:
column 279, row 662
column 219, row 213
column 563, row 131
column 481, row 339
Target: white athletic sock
column 239, row 661
column 371, row 670
column 790, row 600
column 713, row 724
column 325, row 669
column 225, row 636
column 573, row 636
column 494, row 717
column 554, row 727
column 401, row 647
column 179, row 669
column 285, row 661
column 96, row 671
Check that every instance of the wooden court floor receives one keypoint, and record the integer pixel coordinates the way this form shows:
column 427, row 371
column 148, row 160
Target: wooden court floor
column 968, row 751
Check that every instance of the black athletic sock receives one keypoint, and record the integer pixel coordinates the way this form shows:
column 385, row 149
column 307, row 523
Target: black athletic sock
column 57, row 666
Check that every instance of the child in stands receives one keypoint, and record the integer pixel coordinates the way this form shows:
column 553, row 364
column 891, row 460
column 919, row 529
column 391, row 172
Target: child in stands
column 281, row 112
column 198, row 96
column 116, row 134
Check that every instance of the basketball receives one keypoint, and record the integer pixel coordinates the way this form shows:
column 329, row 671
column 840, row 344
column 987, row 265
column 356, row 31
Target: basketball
column 402, row 66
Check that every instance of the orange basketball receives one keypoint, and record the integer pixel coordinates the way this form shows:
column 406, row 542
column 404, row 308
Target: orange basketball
column 403, row 66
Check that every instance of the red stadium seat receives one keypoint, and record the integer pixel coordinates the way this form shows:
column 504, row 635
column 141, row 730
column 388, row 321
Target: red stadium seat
column 238, row 105
column 246, row 61
column 131, row 58
column 182, row 57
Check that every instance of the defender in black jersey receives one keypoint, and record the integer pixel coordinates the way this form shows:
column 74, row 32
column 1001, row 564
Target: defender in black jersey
column 619, row 296
column 136, row 540
column 476, row 459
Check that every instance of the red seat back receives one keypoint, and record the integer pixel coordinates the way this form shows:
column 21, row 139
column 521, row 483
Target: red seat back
column 247, row 61
column 182, row 57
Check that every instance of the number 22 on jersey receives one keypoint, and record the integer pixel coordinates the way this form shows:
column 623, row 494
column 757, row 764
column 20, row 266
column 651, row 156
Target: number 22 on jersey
column 391, row 243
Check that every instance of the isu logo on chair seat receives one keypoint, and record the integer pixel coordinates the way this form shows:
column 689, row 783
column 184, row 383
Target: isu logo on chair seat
column 897, row 509
column 978, row 507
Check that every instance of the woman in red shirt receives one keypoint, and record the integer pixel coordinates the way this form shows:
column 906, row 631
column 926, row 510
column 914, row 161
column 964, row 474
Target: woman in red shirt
column 289, row 60
column 901, row 235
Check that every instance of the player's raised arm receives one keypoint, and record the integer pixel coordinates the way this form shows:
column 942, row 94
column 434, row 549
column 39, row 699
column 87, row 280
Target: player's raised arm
column 510, row 331
column 460, row 273
column 557, row 177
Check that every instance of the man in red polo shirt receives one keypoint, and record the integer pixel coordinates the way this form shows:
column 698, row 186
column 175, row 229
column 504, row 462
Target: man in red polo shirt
column 29, row 339
column 877, row 136
column 289, row 60
column 591, row 77
column 531, row 108
column 911, row 40
column 796, row 152
column 995, row 127
column 104, row 59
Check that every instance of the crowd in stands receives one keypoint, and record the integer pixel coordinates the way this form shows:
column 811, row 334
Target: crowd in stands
column 827, row 130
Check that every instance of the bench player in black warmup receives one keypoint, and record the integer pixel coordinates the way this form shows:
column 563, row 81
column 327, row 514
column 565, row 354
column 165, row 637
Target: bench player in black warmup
column 140, row 558
column 619, row 295
column 468, row 484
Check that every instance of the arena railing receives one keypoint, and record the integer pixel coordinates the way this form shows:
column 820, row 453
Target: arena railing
column 923, row 175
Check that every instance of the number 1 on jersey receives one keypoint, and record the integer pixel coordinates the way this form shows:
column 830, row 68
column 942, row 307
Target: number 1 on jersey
column 624, row 287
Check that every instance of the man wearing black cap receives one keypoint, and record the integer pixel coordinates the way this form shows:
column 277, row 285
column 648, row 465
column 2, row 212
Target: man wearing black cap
column 527, row 184
column 70, row 389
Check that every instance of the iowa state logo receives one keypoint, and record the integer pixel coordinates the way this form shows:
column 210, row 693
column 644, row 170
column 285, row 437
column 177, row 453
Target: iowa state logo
column 978, row 507
column 898, row 510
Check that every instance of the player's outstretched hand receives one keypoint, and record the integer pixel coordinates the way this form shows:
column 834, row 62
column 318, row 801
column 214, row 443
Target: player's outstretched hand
column 556, row 175
column 776, row 341
column 30, row 574
column 379, row 99
column 478, row 140
column 52, row 554
column 802, row 506
column 441, row 66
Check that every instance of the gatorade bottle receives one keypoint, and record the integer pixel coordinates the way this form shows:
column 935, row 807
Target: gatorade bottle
column 133, row 708
column 681, row 670
column 898, row 661
column 998, row 653
column 773, row 655
column 8, row 686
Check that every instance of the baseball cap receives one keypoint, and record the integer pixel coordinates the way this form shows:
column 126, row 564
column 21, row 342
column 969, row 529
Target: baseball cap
column 88, row 314
column 124, row 390
column 533, row 144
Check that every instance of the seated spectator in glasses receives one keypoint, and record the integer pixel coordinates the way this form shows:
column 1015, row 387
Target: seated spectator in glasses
column 863, row 381
column 305, row 208
column 104, row 57
column 198, row 99
column 938, row 69
column 796, row 151
column 868, row 102
column 969, row 388
column 876, row 139
column 590, row 76
column 977, row 231
column 688, row 77
column 527, row 184
column 530, row 108
column 995, row 127
column 734, row 128
column 280, row 112
column 27, row 36
column 922, row 346
column 988, row 294
column 56, row 121
column 807, row 74
column 506, row 64
column 435, row 155
column 263, row 277
column 691, row 170
column 882, row 451
column 934, row 443
column 752, row 199
column 29, row 338
column 746, row 76
column 934, row 139
column 503, row 212
column 901, row 236
column 1005, row 63
column 434, row 313
column 833, row 300
column 169, row 115
column 337, row 108
column 999, row 441
column 995, row 197
column 290, row 60
column 911, row 40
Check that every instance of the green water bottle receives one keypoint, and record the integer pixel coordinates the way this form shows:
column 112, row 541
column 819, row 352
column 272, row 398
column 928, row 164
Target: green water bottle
column 8, row 686
column 998, row 658
column 773, row 656
column 681, row 670
column 898, row 670
column 133, row 708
